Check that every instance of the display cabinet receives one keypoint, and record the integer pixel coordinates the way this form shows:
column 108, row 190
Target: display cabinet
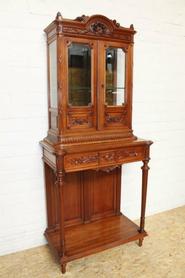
column 90, row 137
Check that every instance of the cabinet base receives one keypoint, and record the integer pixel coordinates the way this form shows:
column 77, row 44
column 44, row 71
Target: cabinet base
column 86, row 239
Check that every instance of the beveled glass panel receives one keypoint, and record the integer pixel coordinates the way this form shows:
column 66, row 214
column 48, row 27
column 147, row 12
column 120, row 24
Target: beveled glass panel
column 115, row 76
column 79, row 74
column 53, row 74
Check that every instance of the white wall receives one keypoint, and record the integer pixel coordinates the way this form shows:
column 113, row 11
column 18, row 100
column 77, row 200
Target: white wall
column 158, row 114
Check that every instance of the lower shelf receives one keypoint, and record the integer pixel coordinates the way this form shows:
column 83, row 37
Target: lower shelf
column 86, row 239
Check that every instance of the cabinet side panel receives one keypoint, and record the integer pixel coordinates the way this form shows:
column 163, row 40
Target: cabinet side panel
column 73, row 203
column 51, row 197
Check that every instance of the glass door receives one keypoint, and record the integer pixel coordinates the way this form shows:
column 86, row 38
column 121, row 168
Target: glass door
column 115, row 76
column 113, row 87
column 79, row 75
column 80, row 84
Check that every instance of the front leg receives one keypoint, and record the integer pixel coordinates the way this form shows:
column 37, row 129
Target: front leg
column 63, row 268
column 145, row 169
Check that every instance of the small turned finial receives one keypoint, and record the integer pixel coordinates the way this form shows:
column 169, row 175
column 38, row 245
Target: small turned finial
column 132, row 26
column 58, row 16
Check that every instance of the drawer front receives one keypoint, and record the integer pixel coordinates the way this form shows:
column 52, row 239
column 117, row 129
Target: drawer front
column 80, row 161
column 130, row 154
column 120, row 156
column 77, row 162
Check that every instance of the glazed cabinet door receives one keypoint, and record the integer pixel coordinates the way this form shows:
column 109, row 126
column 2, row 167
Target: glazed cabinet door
column 79, row 81
column 52, row 85
column 114, row 85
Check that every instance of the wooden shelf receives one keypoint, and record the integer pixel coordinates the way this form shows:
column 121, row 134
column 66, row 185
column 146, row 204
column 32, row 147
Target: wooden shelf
column 86, row 239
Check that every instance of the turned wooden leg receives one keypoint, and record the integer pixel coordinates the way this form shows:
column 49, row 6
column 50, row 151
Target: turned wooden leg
column 140, row 242
column 60, row 179
column 145, row 169
column 63, row 268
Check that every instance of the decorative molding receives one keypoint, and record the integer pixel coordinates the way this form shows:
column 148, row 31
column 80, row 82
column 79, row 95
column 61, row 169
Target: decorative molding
column 95, row 138
column 96, row 28
column 74, row 30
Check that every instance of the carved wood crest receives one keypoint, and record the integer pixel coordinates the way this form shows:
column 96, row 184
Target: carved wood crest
column 99, row 28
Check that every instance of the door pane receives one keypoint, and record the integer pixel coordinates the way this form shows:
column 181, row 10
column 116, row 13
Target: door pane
column 115, row 76
column 53, row 74
column 79, row 74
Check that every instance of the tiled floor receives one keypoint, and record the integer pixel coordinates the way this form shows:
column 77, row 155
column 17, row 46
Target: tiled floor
column 162, row 256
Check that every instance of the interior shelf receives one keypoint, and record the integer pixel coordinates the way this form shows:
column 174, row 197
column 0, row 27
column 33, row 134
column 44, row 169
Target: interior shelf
column 86, row 239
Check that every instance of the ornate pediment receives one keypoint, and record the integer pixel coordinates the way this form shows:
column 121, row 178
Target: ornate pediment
column 96, row 25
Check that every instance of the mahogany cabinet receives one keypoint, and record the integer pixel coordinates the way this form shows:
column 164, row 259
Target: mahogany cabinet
column 90, row 67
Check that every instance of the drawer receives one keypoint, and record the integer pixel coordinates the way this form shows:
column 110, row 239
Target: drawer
column 130, row 154
column 83, row 161
column 80, row 161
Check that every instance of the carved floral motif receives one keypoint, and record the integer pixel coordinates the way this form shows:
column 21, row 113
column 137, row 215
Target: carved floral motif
column 78, row 121
column 99, row 28
column 108, row 156
column 114, row 119
column 84, row 159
